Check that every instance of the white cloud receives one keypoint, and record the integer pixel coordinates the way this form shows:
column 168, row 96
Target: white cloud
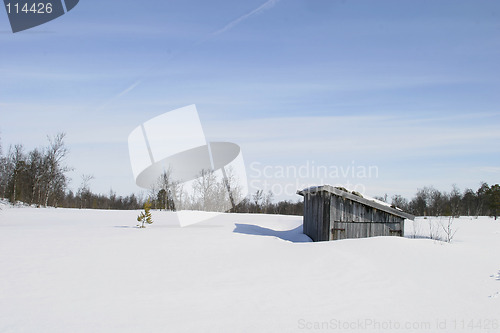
column 490, row 169
column 367, row 136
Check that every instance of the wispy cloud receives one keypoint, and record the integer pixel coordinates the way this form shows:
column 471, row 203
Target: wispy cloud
column 369, row 136
column 129, row 89
column 121, row 94
column 265, row 6
column 490, row 169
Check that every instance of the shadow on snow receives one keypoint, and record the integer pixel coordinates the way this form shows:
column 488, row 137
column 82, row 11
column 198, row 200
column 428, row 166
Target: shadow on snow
column 294, row 235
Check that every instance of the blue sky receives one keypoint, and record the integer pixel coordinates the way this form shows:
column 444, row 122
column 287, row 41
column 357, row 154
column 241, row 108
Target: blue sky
column 411, row 87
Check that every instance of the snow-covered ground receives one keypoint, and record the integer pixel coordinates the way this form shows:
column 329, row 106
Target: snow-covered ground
column 69, row 270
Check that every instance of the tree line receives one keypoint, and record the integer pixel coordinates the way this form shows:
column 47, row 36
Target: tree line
column 39, row 177
column 428, row 201
column 210, row 192
column 36, row 177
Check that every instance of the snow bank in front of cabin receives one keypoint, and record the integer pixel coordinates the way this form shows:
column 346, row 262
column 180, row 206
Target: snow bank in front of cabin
column 70, row 270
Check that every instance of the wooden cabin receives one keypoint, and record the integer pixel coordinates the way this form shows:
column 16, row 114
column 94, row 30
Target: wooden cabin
column 332, row 213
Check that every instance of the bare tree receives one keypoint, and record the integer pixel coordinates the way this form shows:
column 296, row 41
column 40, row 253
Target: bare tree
column 433, row 229
column 482, row 195
column 55, row 178
column 468, row 202
column 383, row 199
column 448, row 229
column 420, row 203
column 493, row 200
column 3, row 173
column 455, row 198
column 399, row 202
column 84, row 191
column 212, row 192
column 16, row 168
column 170, row 191
column 152, row 193
column 233, row 186
column 267, row 203
column 416, row 229
column 257, row 199
column 205, row 190
column 36, row 174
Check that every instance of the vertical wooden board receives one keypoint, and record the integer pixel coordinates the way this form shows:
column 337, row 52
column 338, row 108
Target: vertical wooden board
column 319, row 220
column 341, row 210
column 367, row 215
column 310, row 227
column 373, row 230
column 338, row 231
column 343, row 233
column 358, row 212
column 319, row 216
column 379, row 229
column 325, row 221
column 385, row 229
column 368, row 229
column 354, row 211
column 342, row 216
column 310, row 218
column 348, row 231
column 309, row 215
column 355, row 230
column 338, row 210
column 314, row 218
column 348, row 211
column 333, row 213
column 332, row 209
column 304, row 216
column 362, row 210
column 351, row 230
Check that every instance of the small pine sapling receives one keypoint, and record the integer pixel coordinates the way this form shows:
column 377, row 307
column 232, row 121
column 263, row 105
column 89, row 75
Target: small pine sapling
column 145, row 217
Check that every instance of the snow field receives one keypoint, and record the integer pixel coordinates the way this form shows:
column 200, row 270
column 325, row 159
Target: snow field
column 70, row 270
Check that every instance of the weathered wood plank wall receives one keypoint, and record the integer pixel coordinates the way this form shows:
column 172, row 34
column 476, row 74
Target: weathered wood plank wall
column 331, row 217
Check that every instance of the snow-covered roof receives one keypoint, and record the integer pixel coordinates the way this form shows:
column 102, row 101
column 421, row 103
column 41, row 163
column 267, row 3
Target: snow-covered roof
column 357, row 197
